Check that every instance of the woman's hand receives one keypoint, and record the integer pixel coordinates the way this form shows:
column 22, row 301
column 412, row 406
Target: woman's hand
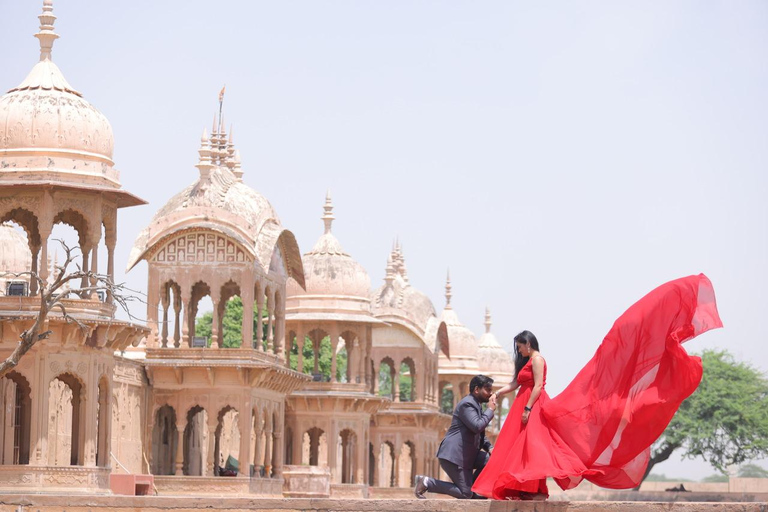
column 526, row 414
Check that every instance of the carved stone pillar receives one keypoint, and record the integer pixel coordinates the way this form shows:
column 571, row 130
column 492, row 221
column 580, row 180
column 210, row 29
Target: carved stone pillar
column 268, row 450
column 298, row 448
column 216, row 321
column 334, row 335
column 181, row 426
column 258, row 454
column 376, row 370
column 86, row 256
column 95, row 261
column 247, row 327
column 211, row 449
column 270, row 322
column 33, row 288
column 186, row 341
column 153, row 301
column 278, row 453
column 259, row 318
column 244, row 424
column 396, row 468
column 177, row 319
column 45, row 227
column 111, row 241
column 165, row 302
column 395, row 384
column 376, row 462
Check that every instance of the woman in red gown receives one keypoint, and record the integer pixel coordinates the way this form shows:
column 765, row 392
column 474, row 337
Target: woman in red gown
column 602, row 425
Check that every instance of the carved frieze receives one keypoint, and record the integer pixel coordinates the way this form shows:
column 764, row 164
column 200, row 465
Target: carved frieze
column 201, row 247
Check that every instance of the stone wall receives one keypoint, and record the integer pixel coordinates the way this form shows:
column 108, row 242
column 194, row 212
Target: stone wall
column 128, row 417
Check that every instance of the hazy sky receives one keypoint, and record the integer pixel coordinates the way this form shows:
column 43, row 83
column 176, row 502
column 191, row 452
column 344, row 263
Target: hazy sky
column 562, row 158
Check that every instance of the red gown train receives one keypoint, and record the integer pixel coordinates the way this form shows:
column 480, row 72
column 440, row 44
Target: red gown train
column 602, row 425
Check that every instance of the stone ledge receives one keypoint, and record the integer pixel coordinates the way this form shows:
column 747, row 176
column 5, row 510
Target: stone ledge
column 51, row 503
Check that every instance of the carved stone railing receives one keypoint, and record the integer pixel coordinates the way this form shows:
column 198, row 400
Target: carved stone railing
column 192, row 485
column 80, row 308
column 70, row 479
column 306, row 481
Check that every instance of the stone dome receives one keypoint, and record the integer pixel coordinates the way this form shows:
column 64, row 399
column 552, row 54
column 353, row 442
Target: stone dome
column 48, row 130
column 220, row 201
column 328, row 269
column 491, row 356
column 398, row 298
column 463, row 344
column 15, row 255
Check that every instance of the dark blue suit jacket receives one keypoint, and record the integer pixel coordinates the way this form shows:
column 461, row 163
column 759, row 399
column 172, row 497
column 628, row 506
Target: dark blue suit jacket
column 466, row 435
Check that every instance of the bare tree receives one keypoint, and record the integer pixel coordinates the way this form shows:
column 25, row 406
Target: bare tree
column 51, row 296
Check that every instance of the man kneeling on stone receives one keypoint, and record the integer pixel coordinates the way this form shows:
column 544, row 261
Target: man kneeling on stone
column 460, row 452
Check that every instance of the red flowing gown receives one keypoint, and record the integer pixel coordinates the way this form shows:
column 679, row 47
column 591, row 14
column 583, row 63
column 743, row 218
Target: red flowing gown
column 602, row 425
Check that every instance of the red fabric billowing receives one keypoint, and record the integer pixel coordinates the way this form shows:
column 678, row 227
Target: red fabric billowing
column 602, row 425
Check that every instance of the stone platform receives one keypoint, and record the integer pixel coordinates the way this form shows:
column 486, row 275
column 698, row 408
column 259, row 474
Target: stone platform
column 60, row 503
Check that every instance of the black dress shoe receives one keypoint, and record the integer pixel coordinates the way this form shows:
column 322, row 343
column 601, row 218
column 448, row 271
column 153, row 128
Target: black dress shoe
column 421, row 487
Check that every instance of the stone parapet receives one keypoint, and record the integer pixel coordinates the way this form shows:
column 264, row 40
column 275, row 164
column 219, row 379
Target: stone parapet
column 53, row 479
column 38, row 503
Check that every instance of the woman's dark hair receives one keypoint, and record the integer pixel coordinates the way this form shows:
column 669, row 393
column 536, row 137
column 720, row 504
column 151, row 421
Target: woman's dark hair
column 524, row 337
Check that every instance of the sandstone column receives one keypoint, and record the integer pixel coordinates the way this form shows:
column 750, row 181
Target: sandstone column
column 216, row 320
column 259, row 318
column 334, row 335
column 181, row 426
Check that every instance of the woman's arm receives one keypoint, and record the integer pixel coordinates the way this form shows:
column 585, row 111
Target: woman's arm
column 538, row 385
column 507, row 389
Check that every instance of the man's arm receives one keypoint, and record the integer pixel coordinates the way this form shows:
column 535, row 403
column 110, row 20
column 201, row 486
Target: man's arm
column 475, row 421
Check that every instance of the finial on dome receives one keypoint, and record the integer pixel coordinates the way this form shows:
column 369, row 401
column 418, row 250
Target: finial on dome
column 487, row 319
column 390, row 275
column 448, row 293
column 46, row 36
column 328, row 215
column 204, row 165
column 237, row 171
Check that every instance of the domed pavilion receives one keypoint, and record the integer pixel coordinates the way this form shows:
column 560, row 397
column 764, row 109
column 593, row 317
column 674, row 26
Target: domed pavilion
column 218, row 402
column 329, row 418
column 405, row 437
column 56, row 167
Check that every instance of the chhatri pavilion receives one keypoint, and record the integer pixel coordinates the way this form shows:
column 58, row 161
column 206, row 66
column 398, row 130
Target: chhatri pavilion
column 327, row 385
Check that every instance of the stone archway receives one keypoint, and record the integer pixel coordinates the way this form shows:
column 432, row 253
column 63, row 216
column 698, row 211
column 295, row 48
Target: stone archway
column 66, row 428
column 164, row 441
column 17, row 411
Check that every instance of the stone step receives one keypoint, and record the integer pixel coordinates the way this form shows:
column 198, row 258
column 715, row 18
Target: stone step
column 69, row 503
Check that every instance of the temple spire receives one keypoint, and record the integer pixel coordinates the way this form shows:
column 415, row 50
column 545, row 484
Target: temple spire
column 487, row 319
column 328, row 215
column 390, row 275
column 448, row 293
column 46, row 36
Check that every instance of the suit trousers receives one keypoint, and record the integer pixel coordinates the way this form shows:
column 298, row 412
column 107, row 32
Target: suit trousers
column 463, row 478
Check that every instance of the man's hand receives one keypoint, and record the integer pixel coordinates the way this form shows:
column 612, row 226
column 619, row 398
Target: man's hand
column 492, row 402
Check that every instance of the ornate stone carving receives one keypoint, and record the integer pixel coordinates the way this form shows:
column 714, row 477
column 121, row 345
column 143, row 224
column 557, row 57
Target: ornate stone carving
column 201, row 247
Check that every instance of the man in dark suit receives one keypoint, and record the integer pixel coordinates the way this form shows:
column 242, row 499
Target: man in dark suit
column 460, row 452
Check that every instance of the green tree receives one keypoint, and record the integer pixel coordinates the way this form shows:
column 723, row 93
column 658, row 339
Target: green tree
column 325, row 361
column 446, row 401
column 385, row 380
column 752, row 471
column 725, row 421
column 717, row 477
column 232, row 324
